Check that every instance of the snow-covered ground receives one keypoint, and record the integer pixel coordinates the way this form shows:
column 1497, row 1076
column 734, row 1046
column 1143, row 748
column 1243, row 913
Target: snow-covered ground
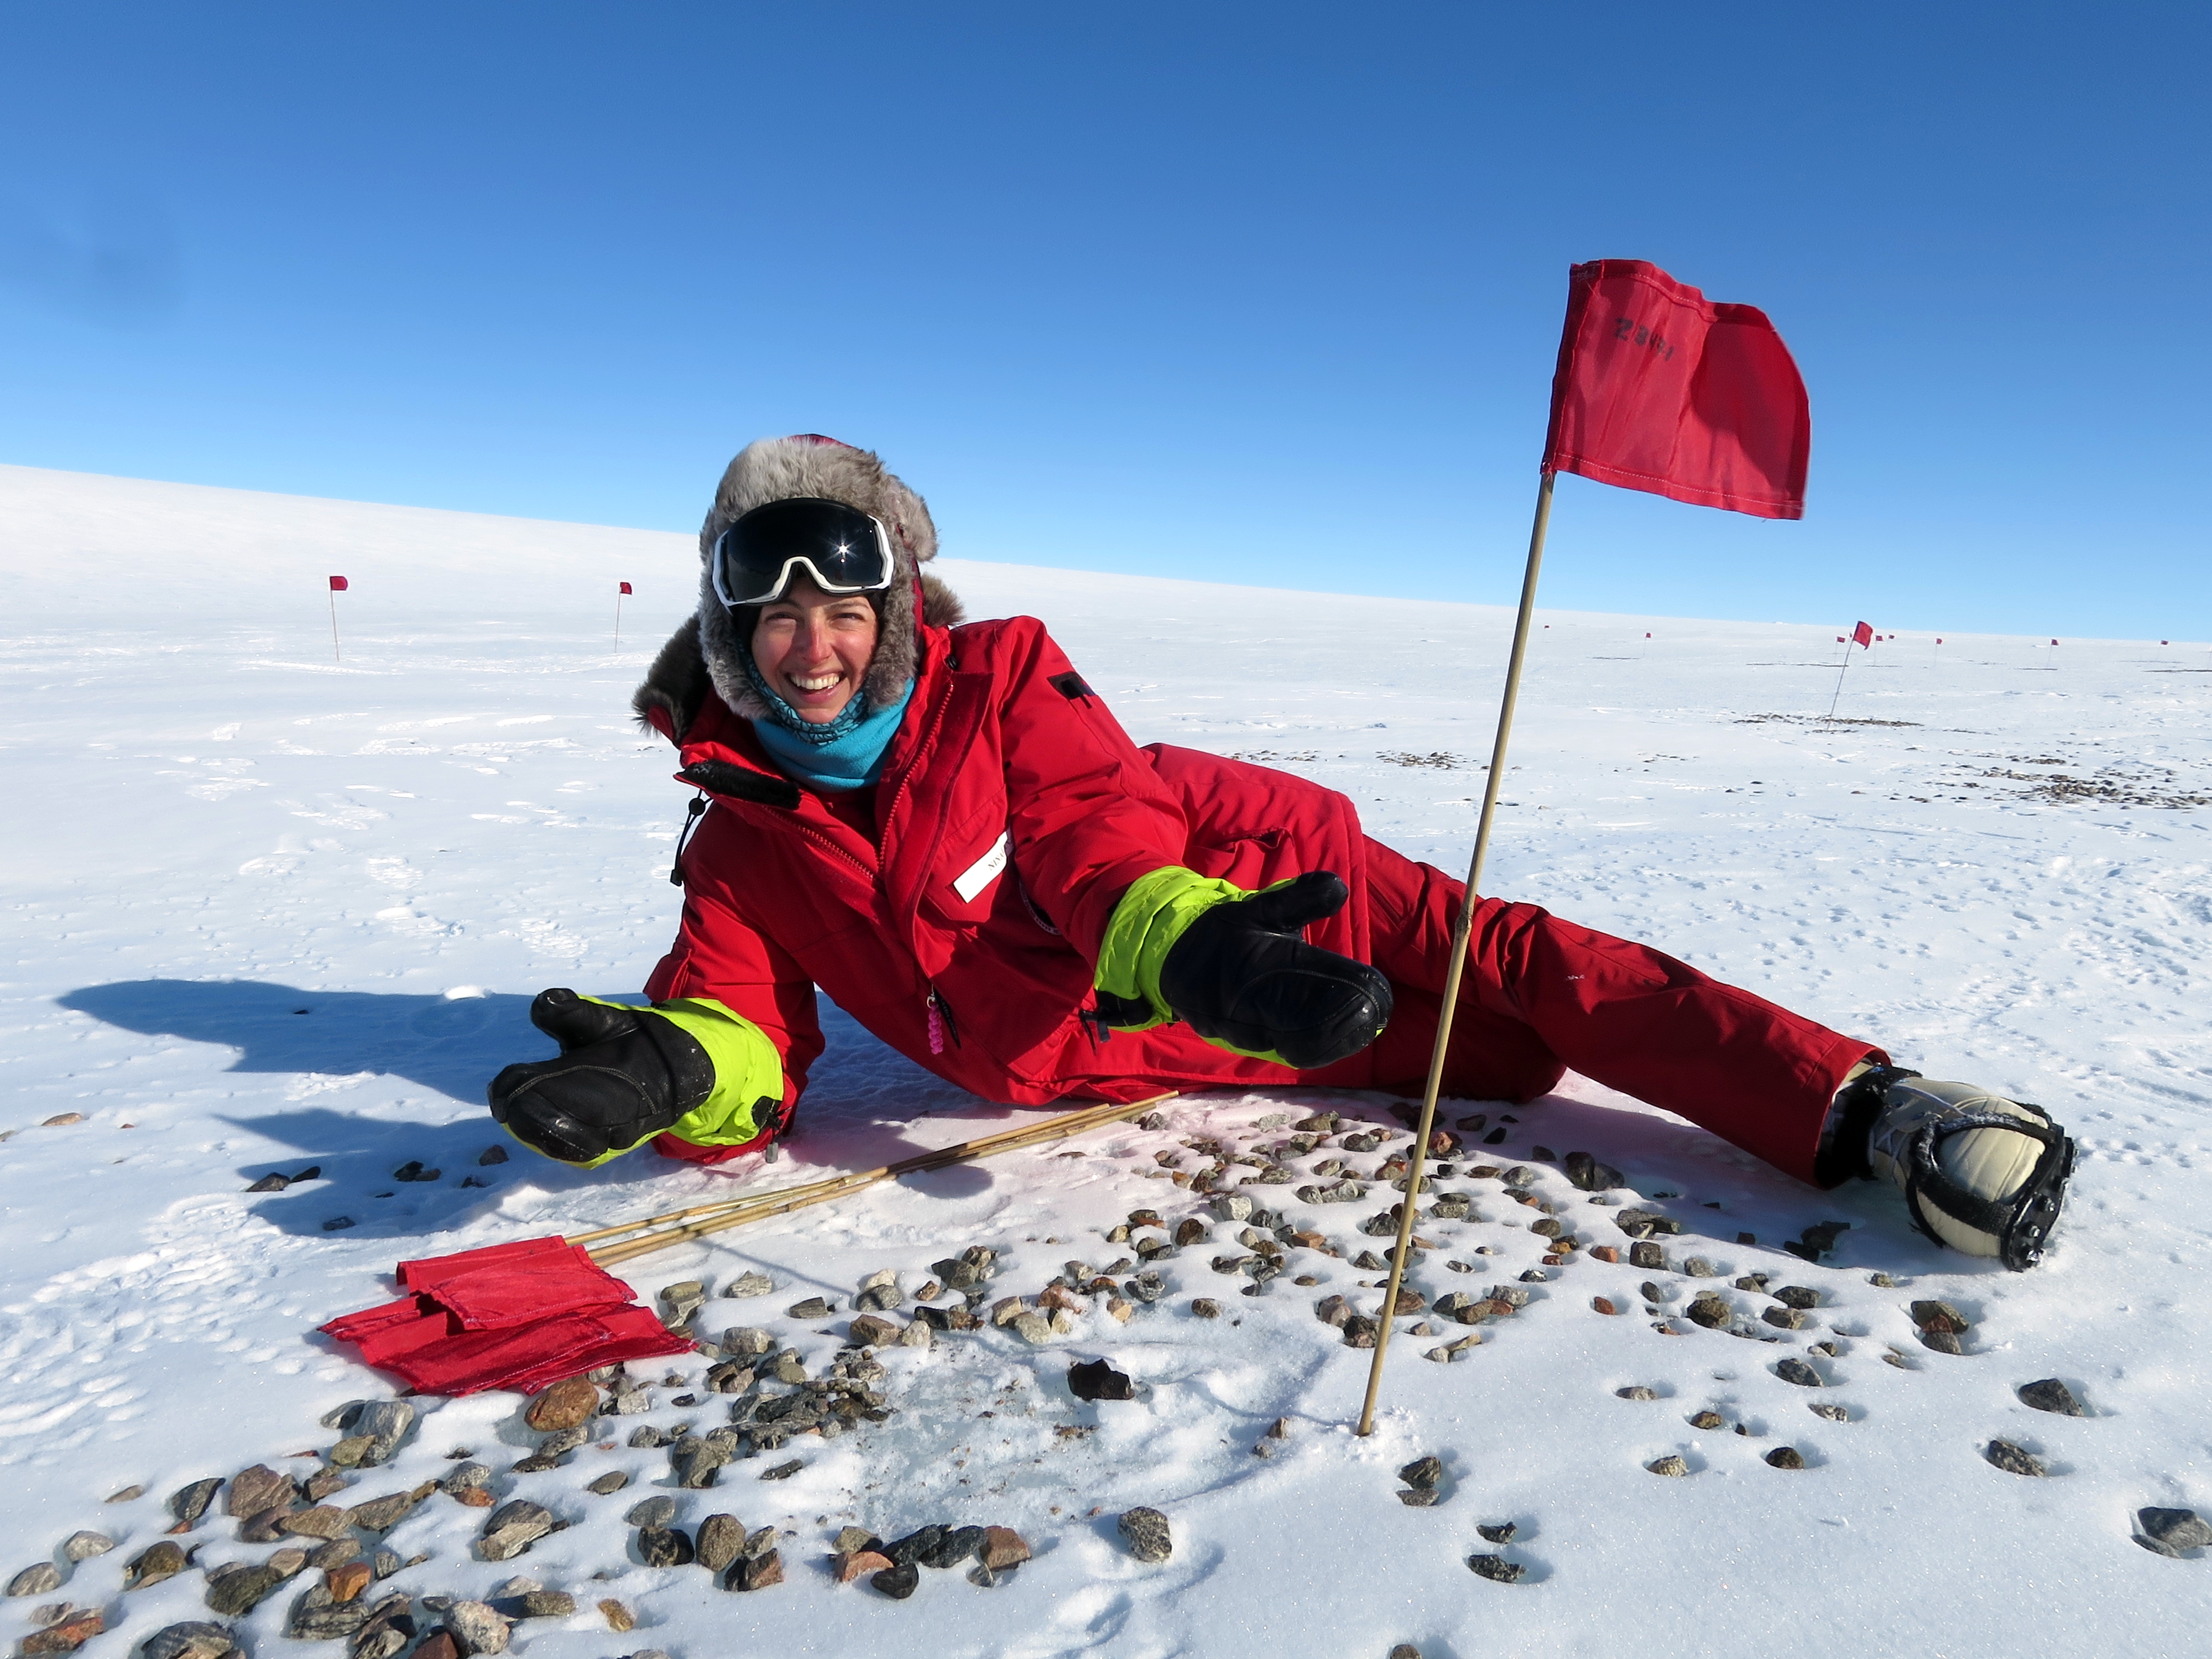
column 267, row 910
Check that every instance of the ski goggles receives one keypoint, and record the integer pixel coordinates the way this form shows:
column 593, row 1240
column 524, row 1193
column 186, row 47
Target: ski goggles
column 840, row 548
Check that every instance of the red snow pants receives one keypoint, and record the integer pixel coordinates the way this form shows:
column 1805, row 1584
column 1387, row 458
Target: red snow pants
column 1541, row 996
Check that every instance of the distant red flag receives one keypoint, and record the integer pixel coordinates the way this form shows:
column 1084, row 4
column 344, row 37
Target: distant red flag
column 1863, row 636
column 337, row 584
column 2054, row 642
column 625, row 587
column 1659, row 389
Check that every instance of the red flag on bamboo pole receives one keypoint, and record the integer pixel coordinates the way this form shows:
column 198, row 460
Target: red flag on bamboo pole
column 1661, row 389
column 1863, row 636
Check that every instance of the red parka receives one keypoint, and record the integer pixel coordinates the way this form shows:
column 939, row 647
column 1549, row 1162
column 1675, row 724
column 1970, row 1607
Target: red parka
column 1012, row 813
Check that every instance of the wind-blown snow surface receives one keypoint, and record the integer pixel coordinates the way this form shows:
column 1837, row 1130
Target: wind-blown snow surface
column 269, row 910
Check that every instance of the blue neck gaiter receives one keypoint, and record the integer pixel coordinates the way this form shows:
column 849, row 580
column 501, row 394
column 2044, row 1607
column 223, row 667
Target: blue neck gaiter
column 845, row 753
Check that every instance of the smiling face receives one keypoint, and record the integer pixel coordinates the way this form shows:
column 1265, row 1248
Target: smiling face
column 813, row 649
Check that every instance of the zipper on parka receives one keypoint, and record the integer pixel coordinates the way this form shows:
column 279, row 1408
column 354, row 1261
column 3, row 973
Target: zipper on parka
column 941, row 1022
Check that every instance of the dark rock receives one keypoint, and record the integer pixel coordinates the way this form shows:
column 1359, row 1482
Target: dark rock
column 957, row 1545
column 1497, row 1568
column 1940, row 1316
column 813, row 1307
column 1831, row 1412
column 1645, row 1253
column 1419, row 1497
column 1360, row 1332
column 1797, row 1371
column 271, row 1183
column 697, row 1459
column 1671, row 1465
column 511, row 1529
column 325, row 1621
column 1797, row 1295
column 1787, row 1319
column 489, row 1156
column 721, row 1540
column 1592, row 1177
column 1940, row 1342
column 2178, row 1529
column 785, row 1471
column 189, row 1503
column 1097, row 1380
column 1635, row 1391
column 163, row 1560
column 651, row 1512
column 193, row 1640
column 908, row 1551
column 338, row 1223
column 1150, row 1285
column 1707, row 1420
column 1785, row 1457
column 2012, row 1460
column 1707, row 1308
column 36, row 1579
column 753, row 1573
column 612, row 1481
column 1424, row 1472
column 1202, row 1307
column 239, row 1589
column 383, row 1424
column 1147, row 1534
column 897, row 1581
column 1503, row 1532
column 2052, row 1396
column 665, row 1546
column 251, row 1491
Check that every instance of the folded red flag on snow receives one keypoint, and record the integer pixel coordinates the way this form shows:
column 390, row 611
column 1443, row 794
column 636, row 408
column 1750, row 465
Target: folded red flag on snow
column 1863, row 636
column 1661, row 389
column 337, row 584
column 515, row 1317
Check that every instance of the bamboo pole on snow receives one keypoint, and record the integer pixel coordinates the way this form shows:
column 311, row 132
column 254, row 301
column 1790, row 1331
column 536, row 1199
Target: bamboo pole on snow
column 736, row 1212
column 1459, row 931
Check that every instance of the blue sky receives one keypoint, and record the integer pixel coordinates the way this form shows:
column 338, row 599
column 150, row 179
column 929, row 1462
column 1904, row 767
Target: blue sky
column 1240, row 292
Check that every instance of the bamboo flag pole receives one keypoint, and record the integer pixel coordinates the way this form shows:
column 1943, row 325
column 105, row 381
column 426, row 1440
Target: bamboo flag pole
column 1459, row 931
column 734, row 1212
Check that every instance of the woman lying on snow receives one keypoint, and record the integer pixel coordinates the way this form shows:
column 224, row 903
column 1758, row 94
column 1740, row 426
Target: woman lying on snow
column 940, row 824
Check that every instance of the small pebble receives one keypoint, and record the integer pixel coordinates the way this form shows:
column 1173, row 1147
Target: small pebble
column 2012, row 1460
column 2050, row 1395
column 35, row 1579
column 897, row 1582
column 1147, row 1534
column 1205, row 1306
column 1708, row 1420
column 83, row 1545
column 1636, row 1391
column 1785, row 1457
column 1670, row 1465
column 612, row 1481
column 2170, row 1532
column 1833, row 1412
column 651, row 1512
column 1497, row 1568
column 619, row 1616
column 1500, row 1532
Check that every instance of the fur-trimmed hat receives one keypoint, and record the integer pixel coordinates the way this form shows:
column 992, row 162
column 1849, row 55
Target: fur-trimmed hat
column 807, row 463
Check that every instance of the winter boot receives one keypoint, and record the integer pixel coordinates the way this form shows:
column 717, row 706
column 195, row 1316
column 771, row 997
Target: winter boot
column 1983, row 1173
